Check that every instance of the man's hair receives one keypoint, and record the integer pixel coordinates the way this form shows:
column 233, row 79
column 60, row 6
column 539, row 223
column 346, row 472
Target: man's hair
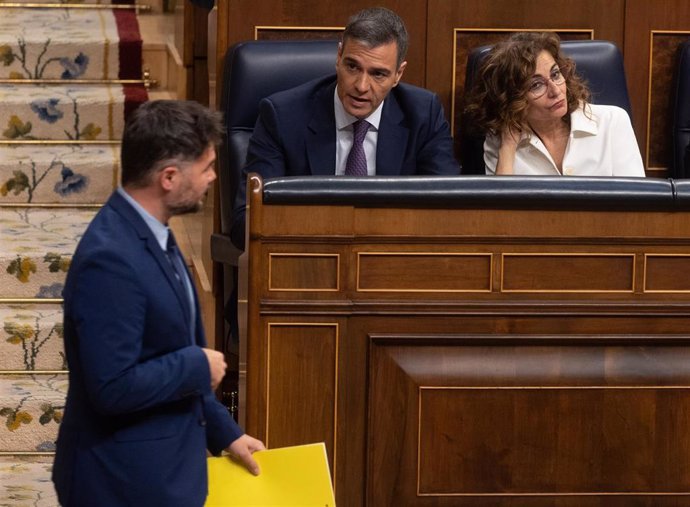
column 498, row 99
column 164, row 132
column 377, row 26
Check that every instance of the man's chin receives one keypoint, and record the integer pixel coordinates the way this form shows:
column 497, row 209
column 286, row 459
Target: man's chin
column 186, row 209
column 359, row 110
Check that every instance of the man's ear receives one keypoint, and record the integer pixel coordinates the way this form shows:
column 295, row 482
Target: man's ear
column 166, row 177
column 399, row 72
column 339, row 55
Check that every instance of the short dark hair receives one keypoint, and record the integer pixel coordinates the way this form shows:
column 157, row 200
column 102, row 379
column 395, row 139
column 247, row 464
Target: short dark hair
column 162, row 131
column 377, row 26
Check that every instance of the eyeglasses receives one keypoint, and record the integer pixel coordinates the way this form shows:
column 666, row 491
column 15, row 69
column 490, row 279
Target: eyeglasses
column 539, row 86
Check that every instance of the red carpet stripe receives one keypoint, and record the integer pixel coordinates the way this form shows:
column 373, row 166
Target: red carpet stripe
column 135, row 95
column 130, row 46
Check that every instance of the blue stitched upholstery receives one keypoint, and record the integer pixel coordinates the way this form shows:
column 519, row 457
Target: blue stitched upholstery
column 254, row 70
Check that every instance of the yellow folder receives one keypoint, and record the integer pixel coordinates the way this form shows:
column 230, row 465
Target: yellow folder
column 290, row 476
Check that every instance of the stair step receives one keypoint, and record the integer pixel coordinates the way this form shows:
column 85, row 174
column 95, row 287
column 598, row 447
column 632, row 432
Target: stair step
column 31, row 408
column 66, row 112
column 62, row 174
column 25, row 481
column 69, row 44
column 31, row 337
column 78, row 2
column 36, row 247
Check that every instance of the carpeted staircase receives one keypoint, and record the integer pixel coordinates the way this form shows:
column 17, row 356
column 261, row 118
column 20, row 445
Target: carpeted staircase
column 68, row 79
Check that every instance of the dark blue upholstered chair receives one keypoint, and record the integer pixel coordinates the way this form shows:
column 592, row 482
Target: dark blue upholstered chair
column 599, row 62
column 252, row 70
column 680, row 167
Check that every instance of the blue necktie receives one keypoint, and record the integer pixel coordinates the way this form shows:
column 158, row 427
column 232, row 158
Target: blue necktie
column 357, row 160
column 182, row 277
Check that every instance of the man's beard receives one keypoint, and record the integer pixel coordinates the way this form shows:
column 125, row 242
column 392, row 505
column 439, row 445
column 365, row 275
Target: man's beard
column 185, row 208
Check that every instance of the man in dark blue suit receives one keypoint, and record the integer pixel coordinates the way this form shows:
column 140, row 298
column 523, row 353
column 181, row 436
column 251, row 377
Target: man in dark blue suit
column 309, row 130
column 140, row 412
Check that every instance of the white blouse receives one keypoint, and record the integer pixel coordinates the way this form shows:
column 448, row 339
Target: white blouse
column 601, row 143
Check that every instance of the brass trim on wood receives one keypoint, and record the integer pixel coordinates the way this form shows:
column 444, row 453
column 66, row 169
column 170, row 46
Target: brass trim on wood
column 419, row 254
column 19, row 5
column 146, row 81
column 53, row 142
column 531, row 494
column 652, row 33
column 565, row 254
column 73, row 81
column 49, row 205
column 30, row 301
column 302, row 254
column 644, row 277
column 26, row 453
column 33, row 372
column 257, row 28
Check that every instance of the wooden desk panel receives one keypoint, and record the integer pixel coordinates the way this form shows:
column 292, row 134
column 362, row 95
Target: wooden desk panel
column 453, row 357
column 508, row 421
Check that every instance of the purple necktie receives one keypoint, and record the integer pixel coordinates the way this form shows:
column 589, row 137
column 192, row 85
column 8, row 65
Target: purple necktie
column 357, row 159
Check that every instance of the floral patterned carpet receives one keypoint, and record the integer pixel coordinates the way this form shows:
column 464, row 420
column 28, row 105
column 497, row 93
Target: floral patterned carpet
column 31, row 337
column 26, row 481
column 62, row 112
column 61, row 172
column 37, row 244
column 68, row 44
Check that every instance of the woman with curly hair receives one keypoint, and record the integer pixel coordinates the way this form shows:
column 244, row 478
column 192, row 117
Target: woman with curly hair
column 535, row 112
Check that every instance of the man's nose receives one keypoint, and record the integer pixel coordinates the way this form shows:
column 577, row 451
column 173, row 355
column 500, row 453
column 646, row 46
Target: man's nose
column 362, row 82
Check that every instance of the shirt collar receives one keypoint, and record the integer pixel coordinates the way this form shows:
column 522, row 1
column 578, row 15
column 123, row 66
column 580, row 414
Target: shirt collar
column 585, row 122
column 159, row 230
column 344, row 119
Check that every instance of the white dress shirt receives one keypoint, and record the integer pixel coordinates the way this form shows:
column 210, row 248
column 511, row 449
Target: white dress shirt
column 601, row 143
column 344, row 135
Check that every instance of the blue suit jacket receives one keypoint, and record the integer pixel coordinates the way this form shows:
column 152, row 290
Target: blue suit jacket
column 140, row 411
column 295, row 136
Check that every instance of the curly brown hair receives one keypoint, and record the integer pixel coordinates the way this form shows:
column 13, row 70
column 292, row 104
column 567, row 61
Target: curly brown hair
column 498, row 99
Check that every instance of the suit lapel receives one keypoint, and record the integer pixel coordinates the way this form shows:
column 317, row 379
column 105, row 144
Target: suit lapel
column 321, row 134
column 165, row 264
column 392, row 139
column 151, row 245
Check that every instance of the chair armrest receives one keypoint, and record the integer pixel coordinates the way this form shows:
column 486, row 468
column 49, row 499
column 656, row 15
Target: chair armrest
column 222, row 250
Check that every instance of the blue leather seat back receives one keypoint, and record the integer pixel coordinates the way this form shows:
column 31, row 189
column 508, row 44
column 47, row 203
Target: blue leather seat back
column 254, row 70
column 600, row 63
column 680, row 167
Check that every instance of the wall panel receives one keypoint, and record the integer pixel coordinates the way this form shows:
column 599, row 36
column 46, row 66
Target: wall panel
column 653, row 31
column 241, row 20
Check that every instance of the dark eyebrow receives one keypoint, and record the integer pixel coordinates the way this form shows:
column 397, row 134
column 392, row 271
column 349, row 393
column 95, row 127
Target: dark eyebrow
column 381, row 70
column 539, row 76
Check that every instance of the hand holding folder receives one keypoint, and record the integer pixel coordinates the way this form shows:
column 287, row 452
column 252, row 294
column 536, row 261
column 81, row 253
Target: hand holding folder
column 290, row 476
